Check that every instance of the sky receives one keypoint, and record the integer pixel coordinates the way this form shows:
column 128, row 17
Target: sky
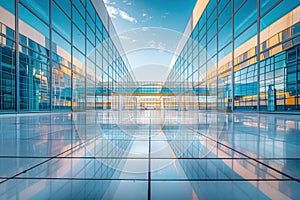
column 130, row 14
column 149, row 31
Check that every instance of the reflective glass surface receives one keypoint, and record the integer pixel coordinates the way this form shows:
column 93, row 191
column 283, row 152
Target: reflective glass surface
column 153, row 153
column 56, row 66
column 225, row 43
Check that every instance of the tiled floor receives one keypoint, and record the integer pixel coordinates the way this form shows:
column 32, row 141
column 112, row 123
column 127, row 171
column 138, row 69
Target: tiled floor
column 150, row 154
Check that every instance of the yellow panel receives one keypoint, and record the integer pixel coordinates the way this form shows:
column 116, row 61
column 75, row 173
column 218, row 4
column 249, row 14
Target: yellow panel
column 246, row 46
column 198, row 10
column 283, row 23
column 276, row 50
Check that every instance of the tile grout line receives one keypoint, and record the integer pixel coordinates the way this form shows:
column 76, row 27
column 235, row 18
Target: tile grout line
column 41, row 163
column 282, row 173
column 149, row 160
column 156, row 179
column 153, row 158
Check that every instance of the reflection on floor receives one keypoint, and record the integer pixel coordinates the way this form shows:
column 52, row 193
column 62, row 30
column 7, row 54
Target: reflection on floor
column 150, row 154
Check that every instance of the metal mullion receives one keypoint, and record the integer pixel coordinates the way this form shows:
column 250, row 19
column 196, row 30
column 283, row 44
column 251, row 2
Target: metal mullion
column 225, row 23
column 258, row 56
column 246, row 29
column 217, row 55
column 232, row 58
column 32, row 12
column 297, row 78
column 239, row 6
column 62, row 9
column 66, row 40
column 72, row 74
column 50, row 57
column 270, row 9
column 85, row 60
column 227, row 3
column 206, row 88
column 17, row 60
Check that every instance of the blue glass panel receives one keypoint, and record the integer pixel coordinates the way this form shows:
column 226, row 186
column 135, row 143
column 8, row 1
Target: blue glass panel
column 238, row 3
column 279, row 11
column 65, row 5
column 225, row 35
column 78, row 39
column 40, row 7
column 212, row 31
column 90, row 34
column 29, row 18
column 8, row 5
column 23, row 39
column 61, row 23
column 212, row 47
column 59, row 41
column 10, row 33
column 211, row 6
column 225, row 15
column 80, row 7
column 221, row 4
column 90, row 22
column 78, row 19
column 90, row 9
column 245, row 16
column 266, row 4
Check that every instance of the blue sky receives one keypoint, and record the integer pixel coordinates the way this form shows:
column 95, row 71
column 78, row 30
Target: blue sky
column 129, row 14
column 149, row 50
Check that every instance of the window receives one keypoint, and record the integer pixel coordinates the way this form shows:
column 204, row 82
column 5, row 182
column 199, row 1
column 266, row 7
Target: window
column 225, row 15
column 225, row 35
column 266, row 5
column 65, row 5
column 61, row 23
column 26, row 16
column 78, row 39
column 78, row 19
column 296, row 29
column 245, row 16
column 280, row 10
column 41, row 8
column 249, row 33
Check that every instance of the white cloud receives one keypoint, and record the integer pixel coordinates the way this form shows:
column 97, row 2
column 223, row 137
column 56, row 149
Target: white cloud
column 126, row 16
column 115, row 12
column 146, row 17
column 127, row 3
column 112, row 11
column 157, row 45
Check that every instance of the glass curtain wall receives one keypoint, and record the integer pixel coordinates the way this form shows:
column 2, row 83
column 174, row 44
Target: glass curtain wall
column 7, row 56
column 245, row 56
column 65, row 57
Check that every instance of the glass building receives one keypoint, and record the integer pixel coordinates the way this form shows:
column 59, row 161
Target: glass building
column 58, row 55
column 240, row 55
column 76, row 124
column 235, row 55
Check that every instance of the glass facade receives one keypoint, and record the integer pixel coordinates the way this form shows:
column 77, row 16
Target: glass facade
column 65, row 57
column 158, row 140
column 239, row 55
column 242, row 55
